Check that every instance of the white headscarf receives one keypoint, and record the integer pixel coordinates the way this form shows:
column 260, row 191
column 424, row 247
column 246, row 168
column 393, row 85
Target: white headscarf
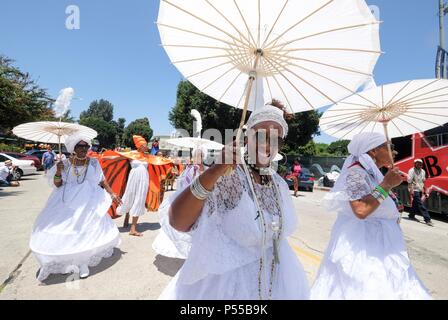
column 358, row 148
column 72, row 140
column 268, row 113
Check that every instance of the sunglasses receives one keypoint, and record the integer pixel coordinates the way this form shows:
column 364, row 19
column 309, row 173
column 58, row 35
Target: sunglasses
column 84, row 146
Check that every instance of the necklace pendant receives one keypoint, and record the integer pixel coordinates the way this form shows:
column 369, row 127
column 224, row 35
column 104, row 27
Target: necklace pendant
column 275, row 250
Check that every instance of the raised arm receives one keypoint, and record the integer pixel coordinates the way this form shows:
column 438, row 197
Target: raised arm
column 365, row 206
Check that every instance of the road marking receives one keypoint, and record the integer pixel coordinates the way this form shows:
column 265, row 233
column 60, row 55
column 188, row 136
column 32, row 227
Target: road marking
column 14, row 273
column 299, row 251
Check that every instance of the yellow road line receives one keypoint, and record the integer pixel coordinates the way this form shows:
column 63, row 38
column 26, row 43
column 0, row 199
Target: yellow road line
column 302, row 252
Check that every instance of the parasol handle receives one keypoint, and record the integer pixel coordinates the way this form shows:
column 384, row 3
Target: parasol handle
column 246, row 104
column 59, row 141
column 389, row 149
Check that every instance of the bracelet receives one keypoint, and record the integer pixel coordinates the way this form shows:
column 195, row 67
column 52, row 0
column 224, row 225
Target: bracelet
column 57, row 178
column 378, row 196
column 198, row 190
column 382, row 191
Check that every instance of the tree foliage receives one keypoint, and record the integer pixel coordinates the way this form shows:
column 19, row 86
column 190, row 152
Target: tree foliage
column 339, row 148
column 101, row 109
column 21, row 98
column 220, row 116
column 139, row 127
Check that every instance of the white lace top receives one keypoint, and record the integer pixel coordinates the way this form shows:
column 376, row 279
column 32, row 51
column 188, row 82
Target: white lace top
column 359, row 184
column 227, row 235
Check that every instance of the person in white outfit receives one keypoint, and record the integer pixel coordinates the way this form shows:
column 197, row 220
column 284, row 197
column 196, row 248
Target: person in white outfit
column 170, row 242
column 366, row 257
column 239, row 223
column 134, row 198
column 74, row 231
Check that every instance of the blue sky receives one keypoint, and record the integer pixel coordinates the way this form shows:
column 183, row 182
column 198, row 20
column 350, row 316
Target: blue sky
column 116, row 54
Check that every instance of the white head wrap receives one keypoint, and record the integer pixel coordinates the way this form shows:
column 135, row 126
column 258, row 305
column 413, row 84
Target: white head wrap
column 358, row 148
column 268, row 113
column 72, row 140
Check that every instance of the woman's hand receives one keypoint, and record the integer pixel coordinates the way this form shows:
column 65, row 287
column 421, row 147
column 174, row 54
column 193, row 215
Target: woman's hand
column 230, row 157
column 116, row 199
column 392, row 179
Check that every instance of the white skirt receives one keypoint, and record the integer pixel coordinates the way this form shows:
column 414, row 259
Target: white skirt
column 134, row 198
column 242, row 283
column 75, row 232
column 367, row 259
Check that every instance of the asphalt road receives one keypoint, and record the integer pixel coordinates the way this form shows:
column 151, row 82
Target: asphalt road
column 136, row 272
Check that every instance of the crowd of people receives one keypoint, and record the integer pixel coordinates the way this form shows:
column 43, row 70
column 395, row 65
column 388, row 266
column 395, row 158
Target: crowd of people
column 230, row 221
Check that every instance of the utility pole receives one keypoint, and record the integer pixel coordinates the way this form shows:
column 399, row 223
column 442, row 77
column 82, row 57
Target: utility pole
column 443, row 10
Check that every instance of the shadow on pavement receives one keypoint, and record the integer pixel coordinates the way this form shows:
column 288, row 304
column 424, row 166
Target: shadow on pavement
column 106, row 263
column 142, row 227
column 10, row 191
column 168, row 266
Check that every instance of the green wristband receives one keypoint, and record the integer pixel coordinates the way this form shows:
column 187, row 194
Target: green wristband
column 382, row 191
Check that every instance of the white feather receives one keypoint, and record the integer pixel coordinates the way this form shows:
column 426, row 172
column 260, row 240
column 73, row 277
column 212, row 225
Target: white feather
column 63, row 102
column 198, row 119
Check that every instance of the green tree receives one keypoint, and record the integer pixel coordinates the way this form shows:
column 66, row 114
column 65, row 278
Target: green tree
column 107, row 131
column 308, row 150
column 21, row 98
column 101, row 109
column 339, row 148
column 99, row 116
column 139, row 127
column 120, row 126
column 221, row 116
column 214, row 114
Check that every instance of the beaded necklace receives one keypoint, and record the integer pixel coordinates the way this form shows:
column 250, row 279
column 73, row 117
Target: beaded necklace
column 76, row 173
column 277, row 229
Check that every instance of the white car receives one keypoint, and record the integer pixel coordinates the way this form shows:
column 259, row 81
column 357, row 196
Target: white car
column 24, row 167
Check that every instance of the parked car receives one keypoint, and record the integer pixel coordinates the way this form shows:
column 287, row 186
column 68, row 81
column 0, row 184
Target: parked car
column 23, row 156
column 306, row 180
column 24, row 167
column 39, row 153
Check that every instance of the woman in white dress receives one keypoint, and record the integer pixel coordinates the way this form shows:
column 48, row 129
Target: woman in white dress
column 170, row 242
column 366, row 257
column 74, row 232
column 239, row 224
column 134, row 198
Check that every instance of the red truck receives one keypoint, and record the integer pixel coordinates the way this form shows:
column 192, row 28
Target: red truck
column 433, row 150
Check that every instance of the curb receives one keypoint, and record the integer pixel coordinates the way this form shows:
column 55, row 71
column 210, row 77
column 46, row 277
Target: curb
column 322, row 188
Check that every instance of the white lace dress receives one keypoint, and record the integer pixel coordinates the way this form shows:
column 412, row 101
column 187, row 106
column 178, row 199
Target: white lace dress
column 224, row 260
column 74, row 228
column 134, row 198
column 366, row 259
column 170, row 242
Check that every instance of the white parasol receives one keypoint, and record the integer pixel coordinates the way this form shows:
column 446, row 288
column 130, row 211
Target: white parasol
column 51, row 132
column 398, row 109
column 308, row 53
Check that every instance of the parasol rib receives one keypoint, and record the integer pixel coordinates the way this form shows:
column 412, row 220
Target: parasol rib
column 208, row 69
column 245, row 23
column 275, row 23
column 414, row 91
column 342, row 86
column 296, row 24
column 228, row 21
column 324, row 32
column 198, row 34
column 202, row 20
column 309, row 84
column 322, row 63
column 289, row 81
